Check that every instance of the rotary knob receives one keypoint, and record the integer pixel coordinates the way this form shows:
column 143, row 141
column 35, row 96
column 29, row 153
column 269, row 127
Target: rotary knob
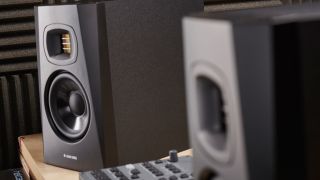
column 173, row 156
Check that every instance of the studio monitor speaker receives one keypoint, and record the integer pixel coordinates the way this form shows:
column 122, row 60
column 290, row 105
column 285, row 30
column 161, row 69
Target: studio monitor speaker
column 253, row 91
column 111, row 81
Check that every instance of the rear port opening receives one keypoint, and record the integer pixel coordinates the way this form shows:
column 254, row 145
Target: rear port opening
column 208, row 174
column 212, row 113
column 59, row 44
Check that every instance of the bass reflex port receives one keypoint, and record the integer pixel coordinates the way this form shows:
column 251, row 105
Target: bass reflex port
column 212, row 113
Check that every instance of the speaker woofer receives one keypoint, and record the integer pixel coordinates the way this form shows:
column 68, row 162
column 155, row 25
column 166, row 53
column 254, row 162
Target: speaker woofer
column 68, row 107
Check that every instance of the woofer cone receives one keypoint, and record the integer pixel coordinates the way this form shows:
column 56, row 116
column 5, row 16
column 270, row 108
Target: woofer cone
column 68, row 107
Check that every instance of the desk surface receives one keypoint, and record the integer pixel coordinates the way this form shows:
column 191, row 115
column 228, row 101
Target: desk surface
column 31, row 149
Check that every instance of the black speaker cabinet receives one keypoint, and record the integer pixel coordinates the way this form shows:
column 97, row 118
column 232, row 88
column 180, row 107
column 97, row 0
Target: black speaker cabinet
column 253, row 83
column 111, row 81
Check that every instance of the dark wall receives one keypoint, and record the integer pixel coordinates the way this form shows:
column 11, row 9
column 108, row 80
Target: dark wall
column 19, row 110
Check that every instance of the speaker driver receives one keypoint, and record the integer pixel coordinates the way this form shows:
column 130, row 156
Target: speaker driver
column 68, row 106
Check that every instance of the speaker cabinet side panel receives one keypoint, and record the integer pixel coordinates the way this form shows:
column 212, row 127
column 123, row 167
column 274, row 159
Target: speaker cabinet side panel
column 209, row 52
column 95, row 45
column 297, row 72
column 78, row 155
column 256, row 88
column 310, row 68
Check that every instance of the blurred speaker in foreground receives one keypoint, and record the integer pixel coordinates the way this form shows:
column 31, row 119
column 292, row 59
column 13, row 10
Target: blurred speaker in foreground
column 253, row 93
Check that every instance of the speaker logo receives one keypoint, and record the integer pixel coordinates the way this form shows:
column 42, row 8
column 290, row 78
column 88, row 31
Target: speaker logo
column 70, row 157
